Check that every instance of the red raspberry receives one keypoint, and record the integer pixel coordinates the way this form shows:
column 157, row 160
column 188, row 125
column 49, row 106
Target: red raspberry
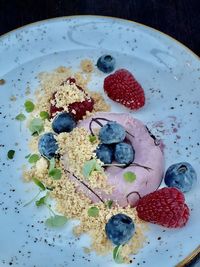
column 81, row 108
column 165, row 206
column 77, row 109
column 122, row 87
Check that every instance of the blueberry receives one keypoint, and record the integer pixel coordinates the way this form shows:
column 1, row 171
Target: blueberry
column 124, row 153
column 106, row 63
column 180, row 175
column 111, row 133
column 105, row 153
column 119, row 229
column 47, row 145
column 63, row 122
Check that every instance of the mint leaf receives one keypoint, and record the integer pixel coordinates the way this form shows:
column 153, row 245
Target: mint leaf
column 89, row 167
column 41, row 201
column 55, row 173
column 56, row 221
column 11, row 154
column 129, row 177
column 117, row 254
column 109, row 203
column 92, row 138
column 36, row 126
column 29, row 106
column 93, row 212
column 33, row 158
column 44, row 115
column 38, row 183
column 20, row 117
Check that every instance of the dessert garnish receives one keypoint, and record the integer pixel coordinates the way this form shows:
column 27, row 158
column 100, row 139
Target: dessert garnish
column 63, row 122
column 123, row 88
column 47, row 145
column 120, row 229
column 180, row 175
column 106, row 63
column 165, row 207
column 77, row 102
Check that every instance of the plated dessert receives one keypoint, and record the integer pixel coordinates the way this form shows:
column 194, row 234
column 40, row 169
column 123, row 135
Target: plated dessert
column 100, row 167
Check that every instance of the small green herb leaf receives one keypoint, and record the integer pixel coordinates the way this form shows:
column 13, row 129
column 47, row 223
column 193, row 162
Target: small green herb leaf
column 109, row 203
column 56, row 221
column 93, row 212
column 44, row 115
column 29, row 106
column 52, row 164
column 89, row 167
column 11, row 154
column 36, row 126
column 33, row 158
column 41, row 201
column 117, row 254
column 38, row 183
column 26, row 157
column 55, row 173
column 20, row 117
column 129, row 177
column 92, row 138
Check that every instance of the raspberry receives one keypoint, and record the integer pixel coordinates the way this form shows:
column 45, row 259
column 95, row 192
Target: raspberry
column 81, row 108
column 165, row 206
column 77, row 109
column 123, row 88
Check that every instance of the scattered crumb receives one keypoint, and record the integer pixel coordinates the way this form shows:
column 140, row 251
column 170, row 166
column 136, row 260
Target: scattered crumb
column 87, row 65
column 2, row 81
column 100, row 104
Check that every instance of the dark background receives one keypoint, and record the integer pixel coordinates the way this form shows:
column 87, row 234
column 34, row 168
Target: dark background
column 178, row 18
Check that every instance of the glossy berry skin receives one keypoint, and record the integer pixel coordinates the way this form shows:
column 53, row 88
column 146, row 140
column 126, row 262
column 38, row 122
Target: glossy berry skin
column 47, row 145
column 105, row 153
column 165, row 207
column 120, row 229
column 122, row 87
column 112, row 133
column 63, row 122
column 124, row 153
column 106, row 63
column 180, row 175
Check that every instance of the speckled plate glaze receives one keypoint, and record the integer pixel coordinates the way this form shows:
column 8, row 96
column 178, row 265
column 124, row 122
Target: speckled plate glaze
column 170, row 75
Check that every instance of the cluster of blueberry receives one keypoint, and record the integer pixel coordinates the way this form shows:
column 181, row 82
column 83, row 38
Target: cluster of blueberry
column 112, row 146
column 47, row 145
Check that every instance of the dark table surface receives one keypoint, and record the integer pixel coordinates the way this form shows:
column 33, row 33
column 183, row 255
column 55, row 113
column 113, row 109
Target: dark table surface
column 178, row 18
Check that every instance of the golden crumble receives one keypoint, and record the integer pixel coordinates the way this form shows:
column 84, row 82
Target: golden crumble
column 67, row 94
column 87, row 65
column 75, row 148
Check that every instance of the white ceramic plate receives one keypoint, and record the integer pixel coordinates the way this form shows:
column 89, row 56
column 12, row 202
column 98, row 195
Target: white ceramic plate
column 170, row 75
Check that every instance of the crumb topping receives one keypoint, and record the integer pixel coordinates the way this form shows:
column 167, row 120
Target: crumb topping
column 75, row 149
column 87, row 65
column 67, row 94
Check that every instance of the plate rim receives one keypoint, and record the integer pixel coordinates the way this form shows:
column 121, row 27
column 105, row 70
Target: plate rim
column 103, row 17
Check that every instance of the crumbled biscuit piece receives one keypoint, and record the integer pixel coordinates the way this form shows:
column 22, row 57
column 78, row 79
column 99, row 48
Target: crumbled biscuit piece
column 87, row 65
